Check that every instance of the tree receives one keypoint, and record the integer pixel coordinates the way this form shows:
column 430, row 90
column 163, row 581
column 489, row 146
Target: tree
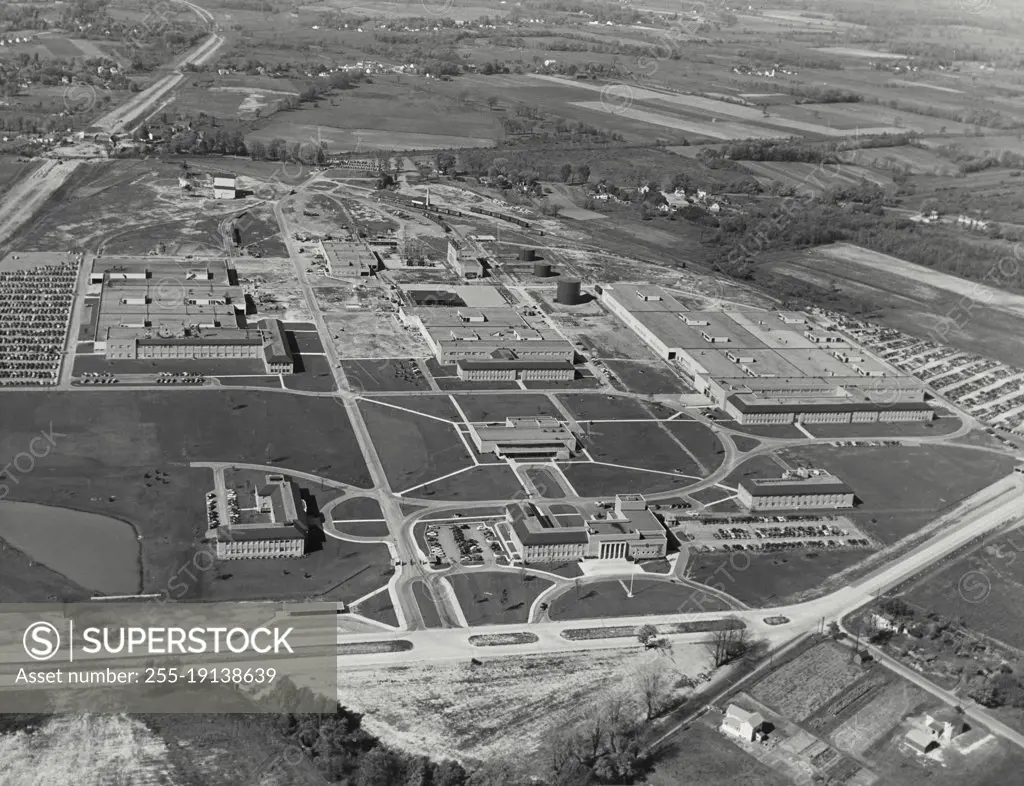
column 582, row 173
column 565, row 172
column 504, row 596
column 727, row 645
column 652, row 683
column 379, row 767
column 492, row 102
column 834, row 630
column 645, row 634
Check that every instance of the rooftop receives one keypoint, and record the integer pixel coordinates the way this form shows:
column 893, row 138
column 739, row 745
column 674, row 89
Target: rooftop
column 780, row 487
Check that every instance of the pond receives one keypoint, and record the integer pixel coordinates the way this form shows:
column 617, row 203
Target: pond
column 98, row 552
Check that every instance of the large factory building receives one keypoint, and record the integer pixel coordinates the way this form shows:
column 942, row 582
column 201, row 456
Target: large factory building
column 765, row 367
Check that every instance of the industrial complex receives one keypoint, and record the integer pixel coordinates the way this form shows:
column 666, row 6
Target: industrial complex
column 769, row 368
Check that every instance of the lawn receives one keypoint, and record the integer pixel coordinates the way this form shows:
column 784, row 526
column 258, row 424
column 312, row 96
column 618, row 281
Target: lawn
column 340, row 571
column 644, row 446
column 769, row 579
column 357, row 508
column 485, row 482
column 892, row 482
column 315, row 374
column 701, row 755
column 426, row 605
column 413, row 449
column 378, row 607
column 496, row 597
column 647, row 378
column 608, row 598
column 601, row 406
column 106, row 443
column 595, row 480
column 482, row 408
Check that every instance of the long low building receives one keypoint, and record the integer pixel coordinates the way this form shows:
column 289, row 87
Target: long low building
column 499, row 370
column 816, row 491
column 629, row 531
column 484, row 334
column 764, row 367
column 525, row 438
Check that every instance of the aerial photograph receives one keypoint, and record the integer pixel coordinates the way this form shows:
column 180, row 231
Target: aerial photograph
column 511, row 392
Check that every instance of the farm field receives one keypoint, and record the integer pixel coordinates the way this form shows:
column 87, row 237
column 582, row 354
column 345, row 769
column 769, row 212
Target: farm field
column 803, row 685
column 913, row 298
column 807, row 178
column 364, row 118
column 900, row 488
column 608, row 598
column 496, row 597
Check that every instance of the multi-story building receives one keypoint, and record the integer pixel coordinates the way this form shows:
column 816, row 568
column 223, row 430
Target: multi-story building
column 281, row 529
column 525, row 438
column 498, row 370
column 277, row 353
column 629, row 531
column 815, row 491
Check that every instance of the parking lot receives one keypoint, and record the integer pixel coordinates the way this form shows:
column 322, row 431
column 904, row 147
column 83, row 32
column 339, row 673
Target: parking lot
column 771, row 533
column 467, row 543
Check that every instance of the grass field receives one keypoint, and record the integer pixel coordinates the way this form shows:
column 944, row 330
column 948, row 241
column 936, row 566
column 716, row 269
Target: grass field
column 413, row 449
column 895, row 483
column 378, row 607
column 913, row 298
column 109, row 441
column 340, row 571
column 701, row 755
column 496, row 597
column 595, row 480
column 642, row 445
column 769, row 579
column 483, row 407
column 983, row 590
column 480, row 483
column 609, row 598
column 426, row 605
column 603, row 407
column 645, row 377
column 812, row 177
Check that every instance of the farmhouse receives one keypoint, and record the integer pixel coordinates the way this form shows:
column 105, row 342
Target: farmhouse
column 945, row 725
column 280, row 528
column 795, row 493
column 920, row 741
column 740, row 724
column 225, row 186
column 769, row 368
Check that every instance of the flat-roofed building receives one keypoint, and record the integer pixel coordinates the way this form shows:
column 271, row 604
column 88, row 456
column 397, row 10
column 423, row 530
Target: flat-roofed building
column 467, row 333
column 499, row 370
column 538, row 539
column 765, row 367
column 630, row 531
column 815, row 491
column 283, row 530
column 348, row 258
column 528, row 438
column 277, row 353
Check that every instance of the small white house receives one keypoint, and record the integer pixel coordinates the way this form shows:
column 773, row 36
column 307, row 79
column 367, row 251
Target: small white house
column 741, row 724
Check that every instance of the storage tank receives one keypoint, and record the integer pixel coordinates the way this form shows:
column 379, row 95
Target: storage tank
column 568, row 293
column 527, row 254
column 542, row 270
